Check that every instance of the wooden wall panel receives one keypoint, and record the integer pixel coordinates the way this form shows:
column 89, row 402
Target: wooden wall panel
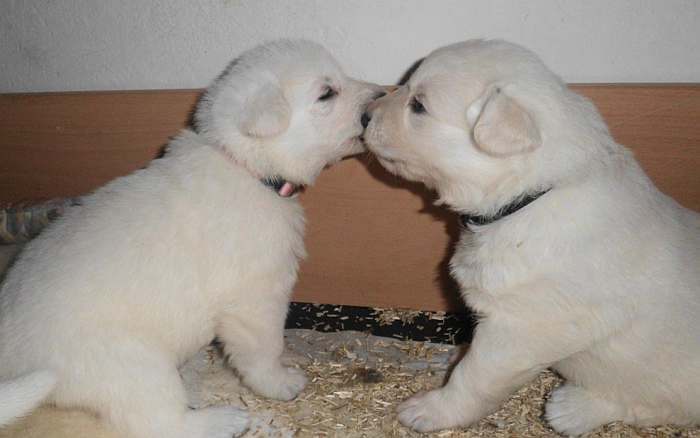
column 661, row 124
column 66, row 144
column 373, row 239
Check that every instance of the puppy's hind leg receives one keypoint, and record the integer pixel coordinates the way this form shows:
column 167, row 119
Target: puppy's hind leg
column 254, row 342
column 572, row 410
column 141, row 394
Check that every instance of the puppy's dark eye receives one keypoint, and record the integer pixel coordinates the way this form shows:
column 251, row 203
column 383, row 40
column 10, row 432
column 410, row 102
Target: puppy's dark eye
column 328, row 94
column 416, row 106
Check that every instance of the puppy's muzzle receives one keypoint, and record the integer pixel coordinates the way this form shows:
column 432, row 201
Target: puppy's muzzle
column 367, row 115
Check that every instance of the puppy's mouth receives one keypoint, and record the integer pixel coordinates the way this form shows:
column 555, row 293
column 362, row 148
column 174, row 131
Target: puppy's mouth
column 354, row 145
column 377, row 153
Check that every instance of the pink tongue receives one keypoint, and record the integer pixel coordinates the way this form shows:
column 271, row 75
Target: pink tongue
column 287, row 189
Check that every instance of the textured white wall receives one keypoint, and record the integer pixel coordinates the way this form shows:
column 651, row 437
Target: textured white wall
column 137, row 44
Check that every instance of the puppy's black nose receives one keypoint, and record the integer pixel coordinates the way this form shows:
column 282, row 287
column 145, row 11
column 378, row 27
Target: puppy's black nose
column 365, row 119
column 378, row 95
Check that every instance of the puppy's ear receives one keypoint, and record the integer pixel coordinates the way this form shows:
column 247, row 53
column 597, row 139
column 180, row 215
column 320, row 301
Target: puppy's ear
column 500, row 126
column 266, row 113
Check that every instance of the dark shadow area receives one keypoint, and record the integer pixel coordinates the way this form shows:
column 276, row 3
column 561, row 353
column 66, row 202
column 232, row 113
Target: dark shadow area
column 190, row 125
column 408, row 73
column 457, row 358
column 423, row 326
column 161, row 152
column 190, row 114
column 8, row 257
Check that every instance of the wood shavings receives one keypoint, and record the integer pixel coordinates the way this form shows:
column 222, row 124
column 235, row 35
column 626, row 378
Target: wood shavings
column 388, row 316
column 441, row 327
column 357, row 380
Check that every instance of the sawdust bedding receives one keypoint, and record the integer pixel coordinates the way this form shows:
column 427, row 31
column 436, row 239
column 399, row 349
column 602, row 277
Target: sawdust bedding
column 355, row 382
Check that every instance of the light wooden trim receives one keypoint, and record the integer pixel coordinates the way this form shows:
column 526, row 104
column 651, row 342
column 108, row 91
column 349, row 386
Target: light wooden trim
column 375, row 242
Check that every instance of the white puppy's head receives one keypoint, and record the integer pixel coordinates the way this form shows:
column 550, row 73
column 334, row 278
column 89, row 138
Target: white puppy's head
column 285, row 109
column 482, row 123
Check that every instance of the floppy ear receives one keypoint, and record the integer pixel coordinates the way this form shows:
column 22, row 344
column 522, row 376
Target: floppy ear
column 266, row 113
column 501, row 127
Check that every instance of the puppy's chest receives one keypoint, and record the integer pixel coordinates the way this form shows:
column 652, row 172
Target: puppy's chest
column 269, row 234
column 485, row 264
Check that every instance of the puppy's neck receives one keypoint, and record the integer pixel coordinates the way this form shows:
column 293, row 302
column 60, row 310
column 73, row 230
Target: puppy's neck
column 282, row 187
column 474, row 220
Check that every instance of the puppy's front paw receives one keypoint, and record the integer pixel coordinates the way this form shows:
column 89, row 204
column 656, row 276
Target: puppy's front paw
column 573, row 411
column 427, row 412
column 280, row 384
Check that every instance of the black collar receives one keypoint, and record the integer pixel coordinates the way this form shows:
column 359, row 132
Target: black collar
column 468, row 219
column 282, row 187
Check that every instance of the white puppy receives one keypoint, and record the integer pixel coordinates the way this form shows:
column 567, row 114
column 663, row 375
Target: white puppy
column 572, row 257
column 102, row 307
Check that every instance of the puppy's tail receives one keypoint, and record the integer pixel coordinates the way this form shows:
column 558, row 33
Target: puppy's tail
column 22, row 395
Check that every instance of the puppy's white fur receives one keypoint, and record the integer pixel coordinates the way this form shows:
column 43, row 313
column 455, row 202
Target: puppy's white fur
column 597, row 278
column 102, row 307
